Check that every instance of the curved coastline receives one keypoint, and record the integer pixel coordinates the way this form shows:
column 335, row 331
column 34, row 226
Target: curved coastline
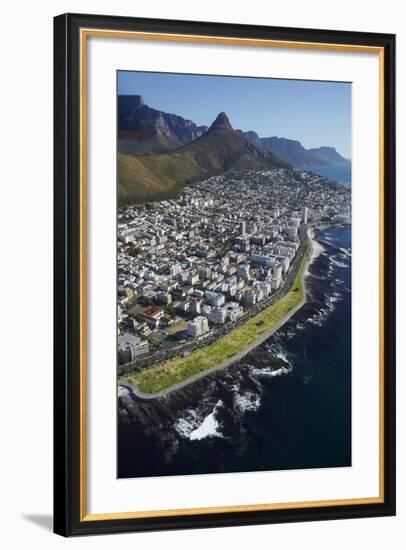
column 315, row 249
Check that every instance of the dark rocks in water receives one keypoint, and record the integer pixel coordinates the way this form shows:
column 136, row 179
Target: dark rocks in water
column 149, row 420
column 229, row 426
column 263, row 358
column 154, row 421
column 154, row 436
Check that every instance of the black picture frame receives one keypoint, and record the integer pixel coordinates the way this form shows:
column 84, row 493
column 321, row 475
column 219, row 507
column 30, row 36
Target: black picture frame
column 67, row 352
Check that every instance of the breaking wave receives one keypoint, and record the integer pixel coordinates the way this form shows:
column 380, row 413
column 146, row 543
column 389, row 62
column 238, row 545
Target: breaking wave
column 346, row 252
column 247, row 401
column 337, row 263
column 319, row 317
column 122, row 391
column 208, row 428
column 271, row 373
column 192, row 427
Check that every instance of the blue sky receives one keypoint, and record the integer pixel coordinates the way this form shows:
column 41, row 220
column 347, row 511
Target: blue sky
column 315, row 113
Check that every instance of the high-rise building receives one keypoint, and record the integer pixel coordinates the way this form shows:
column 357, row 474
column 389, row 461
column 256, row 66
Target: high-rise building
column 305, row 214
column 218, row 316
column 130, row 347
column 198, row 326
column 243, row 229
column 277, row 272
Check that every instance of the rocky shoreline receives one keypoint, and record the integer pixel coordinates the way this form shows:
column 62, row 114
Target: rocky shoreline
column 315, row 249
column 213, row 424
column 155, row 418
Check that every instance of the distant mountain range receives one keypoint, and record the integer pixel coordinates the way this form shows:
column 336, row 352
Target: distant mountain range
column 329, row 155
column 294, row 153
column 159, row 152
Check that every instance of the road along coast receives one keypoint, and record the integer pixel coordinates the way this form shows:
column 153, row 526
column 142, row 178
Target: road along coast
column 164, row 378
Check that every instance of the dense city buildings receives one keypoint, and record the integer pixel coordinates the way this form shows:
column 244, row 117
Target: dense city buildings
column 190, row 269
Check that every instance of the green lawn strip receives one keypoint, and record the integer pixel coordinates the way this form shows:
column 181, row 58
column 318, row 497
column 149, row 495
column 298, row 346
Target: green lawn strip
column 164, row 375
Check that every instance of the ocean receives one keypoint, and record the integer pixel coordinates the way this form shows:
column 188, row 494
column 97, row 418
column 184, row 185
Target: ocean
column 250, row 417
column 337, row 172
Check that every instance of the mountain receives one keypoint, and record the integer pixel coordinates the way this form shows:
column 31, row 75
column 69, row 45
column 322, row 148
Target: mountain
column 251, row 135
column 220, row 149
column 329, row 155
column 293, row 152
column 144, row 130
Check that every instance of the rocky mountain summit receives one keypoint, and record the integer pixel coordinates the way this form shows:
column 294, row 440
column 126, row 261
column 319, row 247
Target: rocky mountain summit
column 144, row 130
column 221, row 149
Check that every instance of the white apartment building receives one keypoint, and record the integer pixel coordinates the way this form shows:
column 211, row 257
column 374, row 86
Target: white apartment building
column 198, row 326
column 214, row 298
column 266, row 261
column 218, row 316
column 130, row 346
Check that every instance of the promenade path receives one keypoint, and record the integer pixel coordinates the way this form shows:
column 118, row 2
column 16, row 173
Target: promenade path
column 237, row 357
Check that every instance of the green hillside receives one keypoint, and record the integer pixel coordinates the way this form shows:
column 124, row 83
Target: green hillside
column 220, row 149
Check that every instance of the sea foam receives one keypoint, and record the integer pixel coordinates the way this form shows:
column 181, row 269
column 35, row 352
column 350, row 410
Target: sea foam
column 271, row 373
column 247, row 401
column 191, row 426
column 208, row 428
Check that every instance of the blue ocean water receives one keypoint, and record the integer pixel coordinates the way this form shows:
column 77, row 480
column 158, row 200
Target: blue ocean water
column 247, row 418
column 337, row 172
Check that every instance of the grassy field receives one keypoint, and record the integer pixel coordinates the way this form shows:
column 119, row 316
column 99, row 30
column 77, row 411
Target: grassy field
column 164, row 375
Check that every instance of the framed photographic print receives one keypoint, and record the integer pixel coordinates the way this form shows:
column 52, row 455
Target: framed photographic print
column 224, row 274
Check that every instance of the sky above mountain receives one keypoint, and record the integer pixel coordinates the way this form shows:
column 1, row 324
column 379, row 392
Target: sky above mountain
column 313, row 112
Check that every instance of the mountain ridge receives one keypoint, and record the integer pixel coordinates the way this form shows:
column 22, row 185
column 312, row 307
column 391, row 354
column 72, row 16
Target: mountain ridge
column 145, row 130
column 292, row 151
column 159, row 153
column 329, row 154
column 221, row 149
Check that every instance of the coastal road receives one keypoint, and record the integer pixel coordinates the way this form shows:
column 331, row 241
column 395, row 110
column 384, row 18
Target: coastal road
column 238, row 356
column 217, row 333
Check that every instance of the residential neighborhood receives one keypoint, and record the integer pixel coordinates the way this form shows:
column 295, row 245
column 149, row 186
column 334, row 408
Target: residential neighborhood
column 191, row 269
